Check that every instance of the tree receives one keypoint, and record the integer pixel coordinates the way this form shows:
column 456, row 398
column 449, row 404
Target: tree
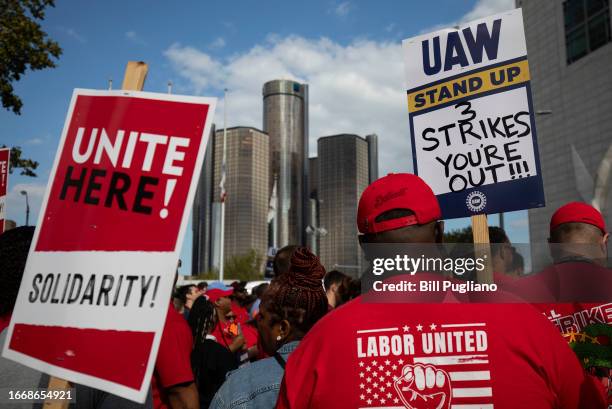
column 27, row 166
column 23, row 45
column 459, row 235
column 245, row 267
column 242, row 267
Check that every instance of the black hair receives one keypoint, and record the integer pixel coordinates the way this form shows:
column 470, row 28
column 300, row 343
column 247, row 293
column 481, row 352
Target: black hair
column 282, row 260
column 333, row 277
column 14, row 248
column 202, row 285
column 497, row 235
column 298, row 296
column 260, row 289
column 201, row 319
column 182, row 291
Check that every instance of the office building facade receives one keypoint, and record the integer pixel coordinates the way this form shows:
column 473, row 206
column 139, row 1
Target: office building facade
column 343, row 174
column 570, row 55
column 247, row 189
column 285, row 120
column 201, row 215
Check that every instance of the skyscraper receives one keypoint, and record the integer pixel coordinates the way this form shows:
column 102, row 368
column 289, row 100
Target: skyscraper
column 285, row 120
column 570, row 54
column 372, row 140
column 344, row 173
column 201, row 215
column 247, row 189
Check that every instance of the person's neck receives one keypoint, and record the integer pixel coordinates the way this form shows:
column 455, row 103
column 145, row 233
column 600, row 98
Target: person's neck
column 221, row 317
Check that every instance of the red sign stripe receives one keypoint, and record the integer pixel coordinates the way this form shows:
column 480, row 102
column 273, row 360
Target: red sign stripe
column 116, row 356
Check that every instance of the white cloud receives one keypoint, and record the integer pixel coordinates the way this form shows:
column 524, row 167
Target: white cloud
column 135, row 38
column 343, row 8
column 218, row 43
column 71, row 32
column 35, row 141
column 16, row 204
column 358, row 88
column 482, row 8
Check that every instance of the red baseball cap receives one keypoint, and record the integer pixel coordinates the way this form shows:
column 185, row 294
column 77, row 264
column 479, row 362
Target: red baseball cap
column 578, row 212
column 217, row 290
column 396, row 191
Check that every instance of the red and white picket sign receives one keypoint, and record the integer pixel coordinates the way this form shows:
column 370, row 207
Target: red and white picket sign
column 4, row 168
column 98, row 279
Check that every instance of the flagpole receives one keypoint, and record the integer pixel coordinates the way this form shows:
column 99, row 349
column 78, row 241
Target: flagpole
column 223, row 170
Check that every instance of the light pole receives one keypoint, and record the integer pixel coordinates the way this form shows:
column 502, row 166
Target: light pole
column 222, row 188
column 23, row 192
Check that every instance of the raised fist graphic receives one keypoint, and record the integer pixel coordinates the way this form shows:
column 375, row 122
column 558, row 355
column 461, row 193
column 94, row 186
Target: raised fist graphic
column 424, row 387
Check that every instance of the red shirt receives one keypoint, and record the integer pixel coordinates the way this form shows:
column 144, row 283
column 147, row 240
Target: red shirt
column 242, row 315
column 173, row 365
column 435, row 356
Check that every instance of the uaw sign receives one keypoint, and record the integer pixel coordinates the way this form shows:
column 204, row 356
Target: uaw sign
column 471, row 116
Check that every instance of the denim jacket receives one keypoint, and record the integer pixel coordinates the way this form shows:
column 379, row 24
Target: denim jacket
column 255, row 385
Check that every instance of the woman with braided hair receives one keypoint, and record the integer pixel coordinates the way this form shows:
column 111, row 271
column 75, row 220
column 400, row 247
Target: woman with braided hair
column 292, row 304
column 210, row 360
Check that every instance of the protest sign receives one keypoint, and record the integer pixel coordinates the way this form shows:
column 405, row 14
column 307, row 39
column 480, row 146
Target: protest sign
column 471, row 116
column 4, row 168
column 97, row 283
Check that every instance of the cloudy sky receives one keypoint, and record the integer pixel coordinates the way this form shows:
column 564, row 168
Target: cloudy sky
column 348, row 52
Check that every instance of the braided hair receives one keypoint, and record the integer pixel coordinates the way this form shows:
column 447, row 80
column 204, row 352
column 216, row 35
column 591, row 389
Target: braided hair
column 201, row 319
column 298, row 295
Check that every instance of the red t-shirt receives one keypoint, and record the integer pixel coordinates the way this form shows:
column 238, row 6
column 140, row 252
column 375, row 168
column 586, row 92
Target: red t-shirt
column 439, row 356
column 242, row 315
column 173, row 365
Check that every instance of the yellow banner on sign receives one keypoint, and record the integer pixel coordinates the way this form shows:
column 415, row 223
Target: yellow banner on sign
column 469, row 85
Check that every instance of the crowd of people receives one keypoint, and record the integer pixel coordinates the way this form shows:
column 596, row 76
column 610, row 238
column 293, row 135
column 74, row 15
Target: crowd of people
column 309, row 340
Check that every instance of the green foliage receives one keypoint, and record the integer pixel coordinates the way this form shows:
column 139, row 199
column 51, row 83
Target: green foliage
column 23, row 45
column 208, row 275
column 27, row 166
column 245, row 267
column 459, row 236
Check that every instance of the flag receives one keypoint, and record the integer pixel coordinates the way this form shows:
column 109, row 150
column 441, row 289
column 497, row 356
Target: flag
column 273, row 203
column 223, row 194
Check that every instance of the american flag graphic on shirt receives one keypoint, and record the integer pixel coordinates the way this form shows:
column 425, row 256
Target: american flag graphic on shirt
column 424, row 366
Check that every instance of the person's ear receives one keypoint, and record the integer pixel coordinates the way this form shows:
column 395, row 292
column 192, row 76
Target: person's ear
column 439, row 231
column 284, row 329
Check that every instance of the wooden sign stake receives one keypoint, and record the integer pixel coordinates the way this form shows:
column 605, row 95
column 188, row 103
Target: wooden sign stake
column 133, row 80
column 482, row 247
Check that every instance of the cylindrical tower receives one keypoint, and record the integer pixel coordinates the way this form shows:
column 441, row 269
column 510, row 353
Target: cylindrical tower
column 285, row 120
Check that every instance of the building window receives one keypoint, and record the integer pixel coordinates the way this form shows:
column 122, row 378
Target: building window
column 587, row 26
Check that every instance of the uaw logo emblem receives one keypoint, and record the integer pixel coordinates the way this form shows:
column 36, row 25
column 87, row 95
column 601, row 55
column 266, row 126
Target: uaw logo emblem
column 476, row 201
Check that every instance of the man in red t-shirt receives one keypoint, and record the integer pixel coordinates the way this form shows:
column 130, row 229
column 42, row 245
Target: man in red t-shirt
column 579, row 281
column 173, row 382
column 419, row 356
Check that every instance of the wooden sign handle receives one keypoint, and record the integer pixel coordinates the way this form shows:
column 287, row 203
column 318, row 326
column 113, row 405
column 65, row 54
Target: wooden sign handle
column 57, row 384
column 133, row 80
column 135, row 75
column 480, row 231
